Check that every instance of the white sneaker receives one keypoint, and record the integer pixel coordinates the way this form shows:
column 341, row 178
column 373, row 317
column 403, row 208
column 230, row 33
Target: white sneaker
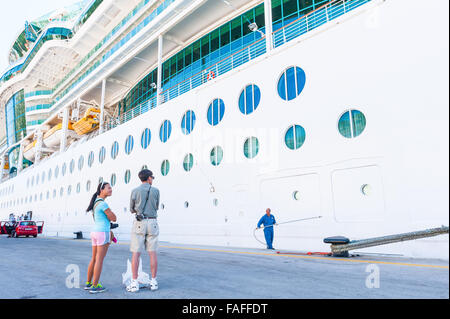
column 153, row 284
column 133, row 286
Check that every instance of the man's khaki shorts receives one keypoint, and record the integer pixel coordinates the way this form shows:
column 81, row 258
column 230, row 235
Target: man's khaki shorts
column 144, row 234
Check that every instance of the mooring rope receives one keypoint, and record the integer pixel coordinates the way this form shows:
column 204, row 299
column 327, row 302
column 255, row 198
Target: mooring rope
column 277, row 224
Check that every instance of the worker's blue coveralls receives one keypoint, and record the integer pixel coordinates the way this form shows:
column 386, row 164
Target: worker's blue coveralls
column 268, row 231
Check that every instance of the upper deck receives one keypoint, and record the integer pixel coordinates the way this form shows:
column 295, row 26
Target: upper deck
column 163, row 49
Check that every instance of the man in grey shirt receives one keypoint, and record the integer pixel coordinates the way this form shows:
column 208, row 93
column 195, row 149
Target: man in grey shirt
column 144, row 202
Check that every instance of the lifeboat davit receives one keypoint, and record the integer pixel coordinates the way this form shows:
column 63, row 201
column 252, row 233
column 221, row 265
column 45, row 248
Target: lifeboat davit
column 29, row 151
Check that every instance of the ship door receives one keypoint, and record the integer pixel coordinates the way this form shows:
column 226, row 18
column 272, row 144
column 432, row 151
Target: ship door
column 358, row 194
column 291, row 197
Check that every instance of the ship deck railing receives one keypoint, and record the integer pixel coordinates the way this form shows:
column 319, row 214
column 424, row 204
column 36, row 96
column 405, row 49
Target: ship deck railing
column 310, row 21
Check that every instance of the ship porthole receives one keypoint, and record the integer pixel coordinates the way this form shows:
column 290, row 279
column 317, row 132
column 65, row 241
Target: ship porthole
column 366, row 189
column 188, row 122
column 165, row 131
column 215, row 202
column 127, row 176
column 129, row 144
column 291, row 83
column 296, row 195
column 186, row 204
column 352, row 123
column 188, row 162
column 216, row 111
column 294, row 137
column 251, row 147
column 249, row 99
column 91, row 159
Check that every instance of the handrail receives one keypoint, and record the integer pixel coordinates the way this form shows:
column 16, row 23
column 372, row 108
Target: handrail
column 211, row 66
column 167, row 93
column 303, row 16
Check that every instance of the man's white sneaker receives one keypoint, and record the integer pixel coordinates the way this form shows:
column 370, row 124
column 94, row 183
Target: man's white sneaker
column 133, row 286
column 153, row 284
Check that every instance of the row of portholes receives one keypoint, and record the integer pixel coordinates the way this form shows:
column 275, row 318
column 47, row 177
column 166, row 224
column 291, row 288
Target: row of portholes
column 351, row 124
column 365, row 189
column 290, row 85
column 7, row 191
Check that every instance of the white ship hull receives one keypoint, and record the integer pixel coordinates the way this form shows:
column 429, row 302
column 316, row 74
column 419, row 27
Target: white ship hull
column 384, row 60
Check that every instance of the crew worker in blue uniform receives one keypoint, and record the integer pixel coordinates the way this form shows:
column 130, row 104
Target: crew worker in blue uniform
column 268, row 221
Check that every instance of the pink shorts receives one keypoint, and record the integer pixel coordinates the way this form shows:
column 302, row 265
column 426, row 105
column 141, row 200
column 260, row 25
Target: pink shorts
column 100, row 238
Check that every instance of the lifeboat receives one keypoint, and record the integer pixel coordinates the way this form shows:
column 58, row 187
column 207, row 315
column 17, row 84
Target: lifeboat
column 53, row 136
column 29, row 151
column 90, row 122
column 5, row 169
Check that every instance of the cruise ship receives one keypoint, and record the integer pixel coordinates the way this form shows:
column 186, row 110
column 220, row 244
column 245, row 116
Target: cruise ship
column 336, row 109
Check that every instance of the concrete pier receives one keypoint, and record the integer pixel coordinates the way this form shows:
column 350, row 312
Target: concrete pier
column 42, row 268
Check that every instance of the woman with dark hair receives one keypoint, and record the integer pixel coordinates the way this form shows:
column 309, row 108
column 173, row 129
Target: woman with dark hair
column 101, row 236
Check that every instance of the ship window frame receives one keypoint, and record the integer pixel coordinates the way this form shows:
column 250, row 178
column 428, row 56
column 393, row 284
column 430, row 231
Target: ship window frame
column 165, row 131
column 220, row 108
column 250, row 147
column 80, row 162
column 298, row 90
column 165, row 167
column 193, row 120
column 91, row 158
column 188, row 166
column 146, row 138
column 354, row 133
column 113, row 179
column 101, row 154
column 243, row 96
column 129, row 148
column 297, row 144
column 127, row 177
column 214, row 158
column 115, row 150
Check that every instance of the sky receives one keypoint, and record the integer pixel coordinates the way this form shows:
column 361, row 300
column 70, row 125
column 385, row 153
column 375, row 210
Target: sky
column 13, row 15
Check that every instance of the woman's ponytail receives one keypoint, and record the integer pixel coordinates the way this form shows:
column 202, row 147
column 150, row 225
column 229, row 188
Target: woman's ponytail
column 100, row 187
column 91, row 204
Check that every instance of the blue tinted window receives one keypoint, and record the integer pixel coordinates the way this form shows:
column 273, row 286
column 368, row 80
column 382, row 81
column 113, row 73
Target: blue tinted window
column 216, row 155
column 165, row 167
column 295, row 137
column 114, row 150
column 249, row 99
column 216, row 111
column 129, row 144
column 188, row 122
column 146, row 138
column 251, row 147
column 291, row 83
column 113, row 179
column 91, row 159
column 352, row 124
column 165, row 131
column 127, row 176
column 101, row 155
column 188, row 162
